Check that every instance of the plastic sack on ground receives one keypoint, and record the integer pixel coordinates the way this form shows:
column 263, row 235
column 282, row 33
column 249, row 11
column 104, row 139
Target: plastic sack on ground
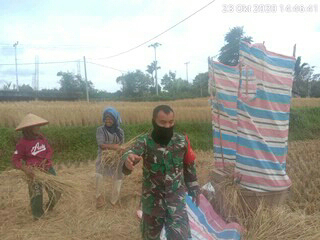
column 208, row 191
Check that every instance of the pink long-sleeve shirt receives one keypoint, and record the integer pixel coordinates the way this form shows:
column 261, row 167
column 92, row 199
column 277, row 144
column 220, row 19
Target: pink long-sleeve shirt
column 33, row 152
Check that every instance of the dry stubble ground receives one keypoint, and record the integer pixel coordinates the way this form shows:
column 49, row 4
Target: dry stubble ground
column 78, row 218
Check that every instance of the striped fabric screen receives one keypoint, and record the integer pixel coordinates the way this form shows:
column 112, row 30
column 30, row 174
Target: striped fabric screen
column 263, row 120
column 224, row 86
column 250, row 115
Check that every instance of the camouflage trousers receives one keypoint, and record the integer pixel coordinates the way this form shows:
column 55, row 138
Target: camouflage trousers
column 176, row 226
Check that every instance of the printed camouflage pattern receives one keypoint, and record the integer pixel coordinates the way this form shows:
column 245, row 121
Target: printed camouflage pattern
column 165, row 176
column 176, row 226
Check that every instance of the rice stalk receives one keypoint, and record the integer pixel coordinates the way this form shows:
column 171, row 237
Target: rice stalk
column 111, row 158
column 57, row 113
column 281, row 223
column 67, row 187
column 75, row 218
column 230, row 202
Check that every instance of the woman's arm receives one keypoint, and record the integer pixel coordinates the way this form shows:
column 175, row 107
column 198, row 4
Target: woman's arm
column 101, row 141
column 115, row 147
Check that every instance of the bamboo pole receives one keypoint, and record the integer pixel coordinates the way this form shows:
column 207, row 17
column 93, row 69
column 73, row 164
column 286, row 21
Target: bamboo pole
column 218, row 108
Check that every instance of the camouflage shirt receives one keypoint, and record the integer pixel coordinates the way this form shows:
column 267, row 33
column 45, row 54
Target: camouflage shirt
column 165, row 175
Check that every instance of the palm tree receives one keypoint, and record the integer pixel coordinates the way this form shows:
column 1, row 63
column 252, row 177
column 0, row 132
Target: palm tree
column 229, row 53
column 298, row 69
column 151, row 69
column 7, row 86
column 302, row 75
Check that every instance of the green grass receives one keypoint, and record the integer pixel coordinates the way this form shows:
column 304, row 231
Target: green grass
column 304, row 124
column 78, row 144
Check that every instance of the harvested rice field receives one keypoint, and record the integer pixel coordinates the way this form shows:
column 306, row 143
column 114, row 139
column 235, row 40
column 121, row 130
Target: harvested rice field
column 75, row 217
column 89, row 114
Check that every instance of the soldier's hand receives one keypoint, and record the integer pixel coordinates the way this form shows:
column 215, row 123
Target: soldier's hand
column 132, row 160
column 196, row 200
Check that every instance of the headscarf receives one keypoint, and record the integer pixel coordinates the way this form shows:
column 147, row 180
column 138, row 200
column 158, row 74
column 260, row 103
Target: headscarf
column 115, row 115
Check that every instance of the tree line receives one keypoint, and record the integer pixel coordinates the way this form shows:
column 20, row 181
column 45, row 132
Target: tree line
column 135, row 85
column 140, row 85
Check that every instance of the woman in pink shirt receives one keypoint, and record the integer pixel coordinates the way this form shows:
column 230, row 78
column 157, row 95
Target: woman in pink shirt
column 33, row 150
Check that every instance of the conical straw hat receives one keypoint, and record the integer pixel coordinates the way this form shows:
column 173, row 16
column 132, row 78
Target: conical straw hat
column 31, row 120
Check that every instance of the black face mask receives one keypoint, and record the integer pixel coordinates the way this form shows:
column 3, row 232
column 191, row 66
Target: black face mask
column 161, row 135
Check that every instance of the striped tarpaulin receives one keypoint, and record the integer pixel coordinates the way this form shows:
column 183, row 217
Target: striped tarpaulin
column 206, row 224
column 250, row 116
column 224, row 86
column 263, row 120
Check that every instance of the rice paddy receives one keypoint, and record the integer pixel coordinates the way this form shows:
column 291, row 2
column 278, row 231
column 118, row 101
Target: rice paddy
column 84, row 114
column 77, row 218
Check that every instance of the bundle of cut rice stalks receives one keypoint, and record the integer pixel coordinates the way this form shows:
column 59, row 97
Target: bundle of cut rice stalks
column 67, row 187
column 262, row 221
column 281, row 223
column 229, row 202
column 235, row 203
column 111, row 158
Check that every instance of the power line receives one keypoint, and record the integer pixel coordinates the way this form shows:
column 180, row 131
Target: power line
column 52, row 46
column 76, row 61
column 112, row 56
column 10, row 64
column 107, row 67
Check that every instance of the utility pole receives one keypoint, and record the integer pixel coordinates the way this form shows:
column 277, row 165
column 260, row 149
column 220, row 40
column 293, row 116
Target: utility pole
column 37, row 73
column 186, row 63
column 85, row 74
column 155, row 45
column 35, row 82
column 78, row 68
column 15, row 53
column 294, row 50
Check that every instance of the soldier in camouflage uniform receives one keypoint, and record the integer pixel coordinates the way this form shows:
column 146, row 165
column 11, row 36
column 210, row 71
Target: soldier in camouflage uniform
column 168, row 171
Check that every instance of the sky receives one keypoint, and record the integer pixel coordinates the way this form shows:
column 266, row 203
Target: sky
column 62, row 31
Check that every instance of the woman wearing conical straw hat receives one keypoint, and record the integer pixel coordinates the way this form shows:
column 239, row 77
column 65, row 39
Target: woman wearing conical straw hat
column 34, row 151
column 109, row 138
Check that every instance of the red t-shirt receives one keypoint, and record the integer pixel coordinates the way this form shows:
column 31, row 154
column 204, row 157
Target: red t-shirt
column 33, row 152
